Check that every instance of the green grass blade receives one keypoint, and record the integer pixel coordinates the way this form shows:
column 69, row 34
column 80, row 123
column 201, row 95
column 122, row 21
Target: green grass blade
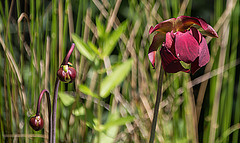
column 84, row 89
column 112, row 39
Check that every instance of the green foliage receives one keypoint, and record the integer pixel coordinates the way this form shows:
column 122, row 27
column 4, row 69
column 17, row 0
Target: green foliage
column 84, row 89
column 111, row 40
column 112, row 54
column 66, row 99
column 116, row 122
column 115, row 78
column 83, row 48
column 110, row 129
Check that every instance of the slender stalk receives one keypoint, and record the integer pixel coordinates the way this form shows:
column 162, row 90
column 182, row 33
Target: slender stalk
column 49, row 111
column 99, row 109
column 55, row 110
column 99, row 117
column 157, row 103
column 66, row 59
column 65, row 62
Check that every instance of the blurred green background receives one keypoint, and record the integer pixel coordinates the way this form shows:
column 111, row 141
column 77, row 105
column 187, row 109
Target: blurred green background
column 36, row 35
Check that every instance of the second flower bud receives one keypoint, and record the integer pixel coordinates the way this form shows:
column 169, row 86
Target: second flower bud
column 66, row 73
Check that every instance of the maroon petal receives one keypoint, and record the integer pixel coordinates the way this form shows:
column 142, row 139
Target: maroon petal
column 186, row 47
column 185, row 22
column 169, row 40
column 169, row 62
column 195, row 66
column 203, row 58
column 203, row 53
column 157, row 41
column 210, row 32
column 196, row 34
column 165, row 26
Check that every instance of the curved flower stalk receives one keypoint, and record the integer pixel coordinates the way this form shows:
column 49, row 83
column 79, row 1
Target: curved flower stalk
column 181, row 41
column 66, row 73
column 36, row 122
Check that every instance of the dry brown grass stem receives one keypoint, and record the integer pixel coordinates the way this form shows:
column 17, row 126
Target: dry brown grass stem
column 224, row 42
column 113, row 16
column 164, row 9
column 213, row 73
column 70, row 20
column 24, row 136
column 24, row 15
column 223, row 17
column 9, row 16
column 101, row 8
column 60, row 30
column 183, row 7
column 90, row 25
column 106, row 3
column 208, row 68
column 26, row 46
column 11, row 60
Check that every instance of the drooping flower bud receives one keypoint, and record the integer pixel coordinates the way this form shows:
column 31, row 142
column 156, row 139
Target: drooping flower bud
column 66, row 73
column 36, row 122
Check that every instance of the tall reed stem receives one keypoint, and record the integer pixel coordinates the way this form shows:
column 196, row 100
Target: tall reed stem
column 157, row 103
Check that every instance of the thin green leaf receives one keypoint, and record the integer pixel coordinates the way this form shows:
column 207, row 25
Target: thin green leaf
column 112, row 39
column 94, row 48
column 100, row 28
column 66, row 98
column 83, row 48
column 84, row 89
column 118, row 122
column 115, row 78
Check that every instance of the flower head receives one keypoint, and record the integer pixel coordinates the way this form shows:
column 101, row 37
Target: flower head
column 36, row 122
column 181, row 41
column 66, row 73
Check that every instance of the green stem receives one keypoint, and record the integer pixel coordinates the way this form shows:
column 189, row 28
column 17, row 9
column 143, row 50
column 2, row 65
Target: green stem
column 156, row 108
column 99, row 110
column 99, row 114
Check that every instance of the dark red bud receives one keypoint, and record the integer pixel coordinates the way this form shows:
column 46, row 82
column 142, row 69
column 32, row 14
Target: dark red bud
column 66, row 73
column 36, row 122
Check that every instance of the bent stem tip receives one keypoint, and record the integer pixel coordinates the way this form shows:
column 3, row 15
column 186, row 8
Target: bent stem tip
column 49, row 111
column 66, row 59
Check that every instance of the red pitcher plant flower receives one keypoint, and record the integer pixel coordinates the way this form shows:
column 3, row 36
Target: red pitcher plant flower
column 181, row 41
